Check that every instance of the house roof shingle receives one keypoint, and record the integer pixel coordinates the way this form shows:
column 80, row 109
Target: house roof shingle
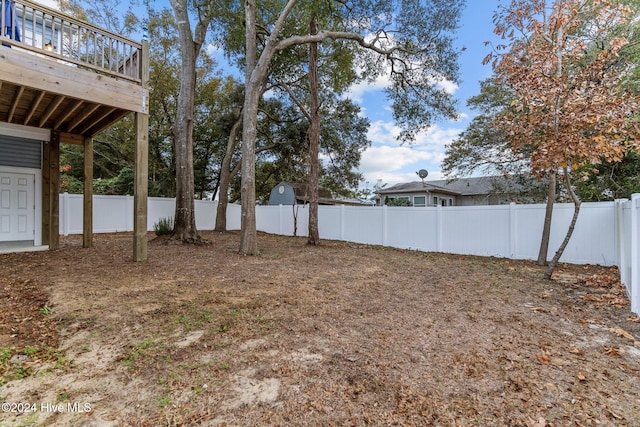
column 460, row 187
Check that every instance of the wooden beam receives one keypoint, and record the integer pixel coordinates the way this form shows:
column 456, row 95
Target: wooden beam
column 22, row 68
column 87, row 205
column 71, row 138
column 65, row 114
column 55, row 103
column 14, row 105
column 106, row 122
column 34, row 107
column 141, row 185
column 96, row 120
column 82, row 117
column 54, row 179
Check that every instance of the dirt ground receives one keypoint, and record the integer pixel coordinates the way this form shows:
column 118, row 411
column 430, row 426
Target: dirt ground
column 340, row 334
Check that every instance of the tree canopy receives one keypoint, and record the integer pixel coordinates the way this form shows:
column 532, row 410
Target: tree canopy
column 572, row 102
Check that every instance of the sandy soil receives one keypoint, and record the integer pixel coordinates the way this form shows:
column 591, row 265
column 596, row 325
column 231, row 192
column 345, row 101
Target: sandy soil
column 340, row 334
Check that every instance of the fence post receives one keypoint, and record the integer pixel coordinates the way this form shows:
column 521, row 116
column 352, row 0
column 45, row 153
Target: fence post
column 438, row 228
column 385, row 216
column 65, row 213
column 513, row 227
column 620, row 239
column 635, row 254
column 342, row 222
column 129, row 213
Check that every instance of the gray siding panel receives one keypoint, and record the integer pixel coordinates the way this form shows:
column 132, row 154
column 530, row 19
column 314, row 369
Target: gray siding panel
column 20, row 152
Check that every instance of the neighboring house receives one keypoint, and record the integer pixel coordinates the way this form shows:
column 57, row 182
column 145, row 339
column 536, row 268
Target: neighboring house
column 490, row 190
column 62, row 81
column 290, row 194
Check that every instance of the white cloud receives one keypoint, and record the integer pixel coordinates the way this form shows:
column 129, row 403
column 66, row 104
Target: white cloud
column 448, row 86
column 391, row 162
column 388, row 159
column 437, row 137
column 357, row 91
column 382, row 132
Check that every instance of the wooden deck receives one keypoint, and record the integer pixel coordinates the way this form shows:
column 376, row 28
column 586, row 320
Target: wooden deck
column 73, row 79
column 76, row 78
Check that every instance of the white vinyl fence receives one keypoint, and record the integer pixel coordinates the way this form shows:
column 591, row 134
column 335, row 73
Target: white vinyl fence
column 607, row 233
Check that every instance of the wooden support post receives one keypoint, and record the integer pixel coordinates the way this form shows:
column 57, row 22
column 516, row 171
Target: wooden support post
column 141, row 186
column 54, row 190
column 87, row 205
column 46, row 191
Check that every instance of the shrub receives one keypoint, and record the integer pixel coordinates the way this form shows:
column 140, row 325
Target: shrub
column 163, row 227
column 398, row 202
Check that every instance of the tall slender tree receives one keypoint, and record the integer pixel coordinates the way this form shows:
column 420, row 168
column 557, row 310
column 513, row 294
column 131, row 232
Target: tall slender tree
column 191, row 41
column 571, row 103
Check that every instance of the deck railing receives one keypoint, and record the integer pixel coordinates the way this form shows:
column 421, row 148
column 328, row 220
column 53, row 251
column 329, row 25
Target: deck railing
column 44, row 31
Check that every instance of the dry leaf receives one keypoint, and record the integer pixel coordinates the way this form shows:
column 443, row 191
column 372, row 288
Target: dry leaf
column 622, row 333
column 543, row 359
column 614, row 415
column 613, row 351
column 581, row 376
column 576, row 351
column 635, row 319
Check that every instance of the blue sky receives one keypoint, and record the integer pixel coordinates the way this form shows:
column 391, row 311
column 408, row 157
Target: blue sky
column 391, row 162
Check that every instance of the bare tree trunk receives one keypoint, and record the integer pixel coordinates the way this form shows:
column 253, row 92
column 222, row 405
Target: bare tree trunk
column 314, row 136
column 184, row 228
column 295, row 207
column 546, row 229
column 248, row 230
column 576, row 203
column 184, row 220
column 255, row 72
column 225, row 178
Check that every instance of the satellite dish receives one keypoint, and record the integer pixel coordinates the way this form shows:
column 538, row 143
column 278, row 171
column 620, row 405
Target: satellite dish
column 422, row 173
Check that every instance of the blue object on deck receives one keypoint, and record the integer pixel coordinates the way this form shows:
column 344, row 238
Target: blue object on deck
column 11, row 27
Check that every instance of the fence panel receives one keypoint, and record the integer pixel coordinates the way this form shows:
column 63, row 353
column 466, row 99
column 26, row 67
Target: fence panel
column 330, row 223
column 205, row 214
column 413, row 228
column 111, row 214
column 363, row 224
column 527, row 233
column 159, row 208
column 485, row 232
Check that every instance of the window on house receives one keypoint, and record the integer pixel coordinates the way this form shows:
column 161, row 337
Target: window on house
column 450, row 202
column 435, row 200
column 398, row 201
column 419, row 201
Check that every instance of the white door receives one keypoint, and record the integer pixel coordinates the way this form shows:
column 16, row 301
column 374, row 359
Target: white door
column 17, row 206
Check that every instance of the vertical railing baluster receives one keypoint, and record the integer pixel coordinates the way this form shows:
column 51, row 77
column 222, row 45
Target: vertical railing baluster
column 70, row 38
